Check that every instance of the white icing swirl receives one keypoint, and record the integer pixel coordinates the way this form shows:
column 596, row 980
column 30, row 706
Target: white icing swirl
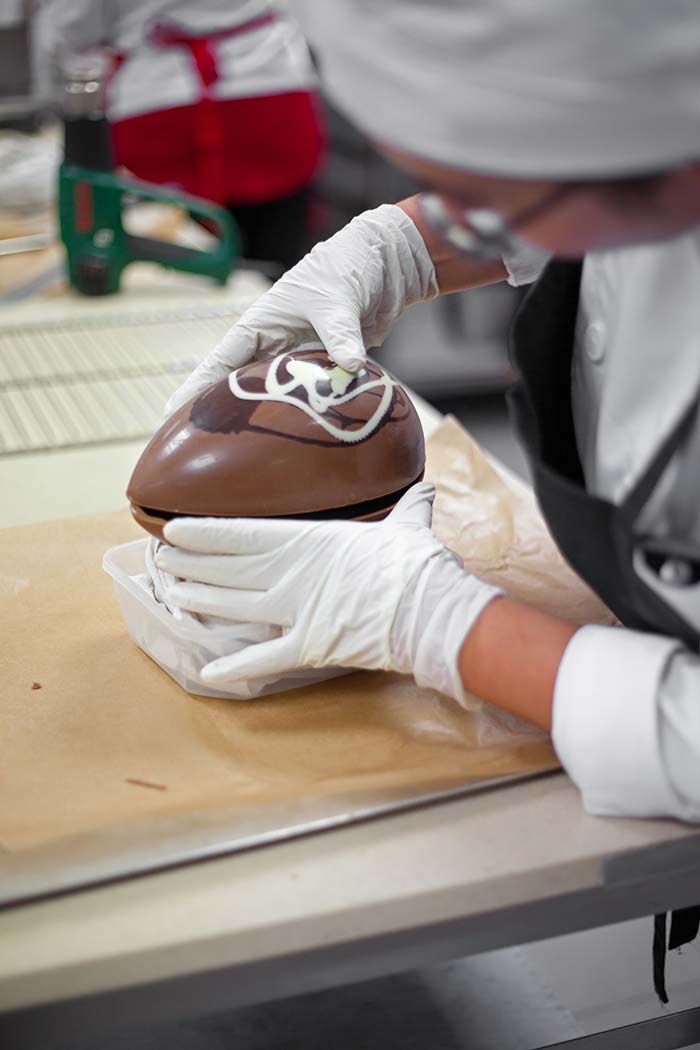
column 325, row 388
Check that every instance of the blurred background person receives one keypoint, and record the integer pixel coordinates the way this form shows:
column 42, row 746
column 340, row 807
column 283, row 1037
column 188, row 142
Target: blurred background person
column 216, row 98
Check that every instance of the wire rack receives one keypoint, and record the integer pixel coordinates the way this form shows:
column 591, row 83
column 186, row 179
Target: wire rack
column 97, row 380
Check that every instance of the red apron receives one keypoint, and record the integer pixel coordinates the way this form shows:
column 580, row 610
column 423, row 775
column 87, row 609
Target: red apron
column 241, row 150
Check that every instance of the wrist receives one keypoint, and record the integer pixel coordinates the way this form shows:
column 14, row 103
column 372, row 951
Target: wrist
column 403, row 241
column 454, row 272
column 453, row 619
column 432, row 621
column 511, row 659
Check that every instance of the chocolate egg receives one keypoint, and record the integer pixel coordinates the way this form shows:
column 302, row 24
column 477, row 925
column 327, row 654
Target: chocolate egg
column 295, row 436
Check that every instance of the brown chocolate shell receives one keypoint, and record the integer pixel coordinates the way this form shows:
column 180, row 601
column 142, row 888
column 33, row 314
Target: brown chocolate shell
column 288, row 438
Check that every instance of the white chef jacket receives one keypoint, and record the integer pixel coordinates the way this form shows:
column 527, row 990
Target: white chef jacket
column 268, row 60
column 626, row 717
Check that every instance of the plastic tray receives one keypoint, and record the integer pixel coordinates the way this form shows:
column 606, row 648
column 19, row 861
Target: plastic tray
column 182, row 648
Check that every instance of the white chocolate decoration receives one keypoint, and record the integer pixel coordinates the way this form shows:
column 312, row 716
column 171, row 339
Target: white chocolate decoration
column 325, row 389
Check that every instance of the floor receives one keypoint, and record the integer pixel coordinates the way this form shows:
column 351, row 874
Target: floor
column 514, row 999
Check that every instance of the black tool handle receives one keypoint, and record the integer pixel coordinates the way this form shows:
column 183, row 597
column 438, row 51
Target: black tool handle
column 147, row 249
column 88, row 143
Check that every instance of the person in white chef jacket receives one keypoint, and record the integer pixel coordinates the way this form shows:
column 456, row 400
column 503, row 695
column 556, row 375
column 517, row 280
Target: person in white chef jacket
column 558, row 141
column 217, row 98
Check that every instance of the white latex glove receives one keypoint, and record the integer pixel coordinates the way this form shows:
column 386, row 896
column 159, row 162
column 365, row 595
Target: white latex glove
column 384, row 595
column 347, row 292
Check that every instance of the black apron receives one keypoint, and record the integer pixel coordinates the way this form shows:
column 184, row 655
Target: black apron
column 596, row 537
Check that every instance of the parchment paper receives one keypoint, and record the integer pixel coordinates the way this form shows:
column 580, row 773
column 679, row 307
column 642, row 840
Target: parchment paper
column 494, row 523
column 93, row 733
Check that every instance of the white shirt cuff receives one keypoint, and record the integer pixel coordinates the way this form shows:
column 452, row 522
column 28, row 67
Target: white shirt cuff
column 525, row 264
column 605, row 721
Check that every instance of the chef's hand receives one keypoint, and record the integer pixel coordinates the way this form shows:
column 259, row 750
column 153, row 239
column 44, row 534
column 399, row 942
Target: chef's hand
column 384, row 595
column 347, row 292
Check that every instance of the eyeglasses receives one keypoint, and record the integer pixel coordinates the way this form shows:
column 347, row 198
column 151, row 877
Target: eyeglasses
column 482, row 233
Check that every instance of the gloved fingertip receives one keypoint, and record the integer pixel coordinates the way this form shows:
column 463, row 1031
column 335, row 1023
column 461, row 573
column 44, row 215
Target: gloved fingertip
column 170, row 595
column 189, row 389
column 179, row 533
column 351, row 360
column 170, row 534
column 421, row 492
column 215, row 674
column 416, row 505
column 161, row 559
column 345, row 348
column 208, row 676
column 236, row 348
column 426, row 490
column 174, row 402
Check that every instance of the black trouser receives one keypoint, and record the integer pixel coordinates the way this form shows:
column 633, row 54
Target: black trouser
column 275, row 231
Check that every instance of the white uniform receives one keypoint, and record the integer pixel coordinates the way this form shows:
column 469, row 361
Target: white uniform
column 268, row 60
column 636, row 367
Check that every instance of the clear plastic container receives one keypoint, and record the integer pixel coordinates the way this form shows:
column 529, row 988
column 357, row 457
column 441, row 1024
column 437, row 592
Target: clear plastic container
column 182, row 648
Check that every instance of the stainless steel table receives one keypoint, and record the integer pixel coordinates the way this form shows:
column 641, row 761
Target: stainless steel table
column 517, row 864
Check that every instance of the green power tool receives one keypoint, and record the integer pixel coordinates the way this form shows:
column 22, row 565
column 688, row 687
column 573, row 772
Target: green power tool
column 92, row 200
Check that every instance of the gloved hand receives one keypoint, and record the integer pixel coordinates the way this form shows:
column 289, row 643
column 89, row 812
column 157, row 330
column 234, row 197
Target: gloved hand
column 347, row 292
column 384, row 595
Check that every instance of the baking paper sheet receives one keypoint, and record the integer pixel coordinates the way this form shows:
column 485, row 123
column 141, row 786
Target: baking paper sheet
column 94, row 734
column 492, row 520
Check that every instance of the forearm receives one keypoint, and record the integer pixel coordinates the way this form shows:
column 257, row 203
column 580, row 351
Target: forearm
column 511, row 657
column 454, row 272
